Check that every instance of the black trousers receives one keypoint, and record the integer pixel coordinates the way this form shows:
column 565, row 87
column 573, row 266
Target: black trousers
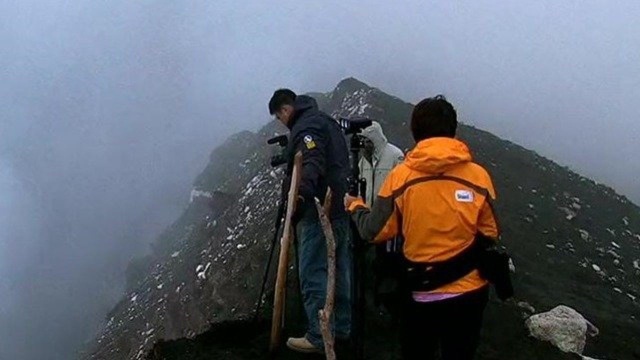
column 451, row 326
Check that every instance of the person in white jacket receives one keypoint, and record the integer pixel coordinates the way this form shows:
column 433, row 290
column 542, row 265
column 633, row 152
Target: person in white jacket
column 378, row 158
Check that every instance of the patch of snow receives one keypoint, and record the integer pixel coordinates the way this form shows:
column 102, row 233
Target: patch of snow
column 615, row 245
column 612, row 232
column 636, row 264
column 633, row 298
column 526, row 306
column 551, row 246
column 570, row 214
column 584, row 234
column 569, row 247
column 199, row 193
column 625, row 220
column 253, row 181
column 159, row 287
column 617, row 290
column 614, row 254
column 134, row 298
column 596, row 267
column 241, row 246
column 199, row 268
column 202, row 275
column 362, row 108
column 175, row 254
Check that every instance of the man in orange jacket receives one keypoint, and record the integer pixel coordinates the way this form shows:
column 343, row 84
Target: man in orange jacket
column 439, row 200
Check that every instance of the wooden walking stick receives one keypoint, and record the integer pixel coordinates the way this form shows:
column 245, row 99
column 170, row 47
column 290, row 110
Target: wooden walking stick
column 325, row 314
column 283, row 261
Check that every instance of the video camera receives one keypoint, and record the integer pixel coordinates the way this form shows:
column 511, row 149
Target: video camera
column 282, row 141
column 353, row 126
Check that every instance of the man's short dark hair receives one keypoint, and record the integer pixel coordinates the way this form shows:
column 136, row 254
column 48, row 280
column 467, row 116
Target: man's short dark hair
column 280, row 98
column 433, row 117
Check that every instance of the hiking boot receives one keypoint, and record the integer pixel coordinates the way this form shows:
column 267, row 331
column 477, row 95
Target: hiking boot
column 303, row 345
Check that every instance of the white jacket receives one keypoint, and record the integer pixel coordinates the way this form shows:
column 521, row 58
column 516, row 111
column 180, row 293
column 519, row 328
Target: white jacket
column 385, row 157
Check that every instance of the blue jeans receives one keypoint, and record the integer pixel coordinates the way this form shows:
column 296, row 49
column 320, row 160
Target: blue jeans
column 313, row 276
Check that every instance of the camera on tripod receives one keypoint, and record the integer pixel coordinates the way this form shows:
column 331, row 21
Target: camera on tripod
column 353, row 127
column 282, row 141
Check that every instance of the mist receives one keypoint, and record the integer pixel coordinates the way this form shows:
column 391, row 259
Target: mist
column 111, row 108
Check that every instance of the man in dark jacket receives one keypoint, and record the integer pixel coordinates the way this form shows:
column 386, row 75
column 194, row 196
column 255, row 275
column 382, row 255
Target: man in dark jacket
column 325, row 164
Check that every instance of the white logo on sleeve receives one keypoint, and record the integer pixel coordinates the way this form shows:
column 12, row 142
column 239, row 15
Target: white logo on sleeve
column 464, row 196
column 308, row 141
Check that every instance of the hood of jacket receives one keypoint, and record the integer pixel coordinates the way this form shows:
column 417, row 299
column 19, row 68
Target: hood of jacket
column 302, row 104
column 437, row 155
column 375, row 134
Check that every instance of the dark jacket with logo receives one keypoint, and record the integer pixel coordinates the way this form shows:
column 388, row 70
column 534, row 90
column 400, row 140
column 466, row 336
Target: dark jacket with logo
column 325, row 157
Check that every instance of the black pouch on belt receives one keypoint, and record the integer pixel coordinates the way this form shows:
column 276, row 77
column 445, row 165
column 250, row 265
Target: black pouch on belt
column 492, row 264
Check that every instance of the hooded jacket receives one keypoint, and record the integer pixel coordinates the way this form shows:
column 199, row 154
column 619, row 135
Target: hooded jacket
column 385, row 157
column 439, row 200
column 325, row 157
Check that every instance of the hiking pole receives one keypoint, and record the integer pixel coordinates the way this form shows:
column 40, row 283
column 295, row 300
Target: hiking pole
column 325, row 314
column 283, row 260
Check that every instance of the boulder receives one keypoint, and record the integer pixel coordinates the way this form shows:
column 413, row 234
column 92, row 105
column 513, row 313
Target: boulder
column 564, row 327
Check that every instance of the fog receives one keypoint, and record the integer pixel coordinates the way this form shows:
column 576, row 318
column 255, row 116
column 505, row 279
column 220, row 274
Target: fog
column 109, row 109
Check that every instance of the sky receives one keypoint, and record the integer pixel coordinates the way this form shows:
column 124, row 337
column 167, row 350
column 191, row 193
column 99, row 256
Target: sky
column 109, row 109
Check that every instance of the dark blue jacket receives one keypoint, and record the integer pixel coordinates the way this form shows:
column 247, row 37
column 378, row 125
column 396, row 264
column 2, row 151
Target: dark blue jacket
column 325, row 157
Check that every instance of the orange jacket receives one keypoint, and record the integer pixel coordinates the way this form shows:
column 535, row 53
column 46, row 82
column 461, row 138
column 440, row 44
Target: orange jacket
column 438, row 199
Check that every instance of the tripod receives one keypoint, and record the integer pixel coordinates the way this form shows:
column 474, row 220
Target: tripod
column 357, row 186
